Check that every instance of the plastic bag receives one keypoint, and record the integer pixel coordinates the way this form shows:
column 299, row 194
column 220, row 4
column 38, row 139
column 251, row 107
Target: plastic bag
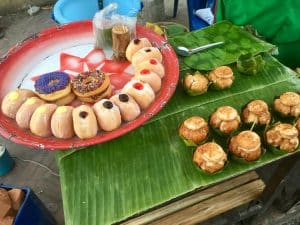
column 103, row 22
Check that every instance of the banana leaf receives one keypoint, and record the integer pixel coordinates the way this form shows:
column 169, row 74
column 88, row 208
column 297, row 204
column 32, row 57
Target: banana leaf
column 151, row 165
column 238, row 41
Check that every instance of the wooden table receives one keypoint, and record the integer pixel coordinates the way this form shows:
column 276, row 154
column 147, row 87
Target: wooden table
column 207, row 203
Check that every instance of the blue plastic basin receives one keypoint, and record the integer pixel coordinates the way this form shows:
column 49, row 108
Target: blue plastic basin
column 66, row 11
column 32, row 210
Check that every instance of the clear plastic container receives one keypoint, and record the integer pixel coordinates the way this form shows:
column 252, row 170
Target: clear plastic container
column 105, row 19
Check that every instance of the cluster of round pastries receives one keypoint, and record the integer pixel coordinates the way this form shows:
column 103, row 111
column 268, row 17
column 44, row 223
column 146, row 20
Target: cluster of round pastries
column 45, row 111
column 147, row 62
column 220, row 78
column 245, row 144
column 57, row 87
column 45, row 119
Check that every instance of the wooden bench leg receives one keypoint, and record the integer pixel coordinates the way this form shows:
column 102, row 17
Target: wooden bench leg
column 276, row 184
column 175, row 8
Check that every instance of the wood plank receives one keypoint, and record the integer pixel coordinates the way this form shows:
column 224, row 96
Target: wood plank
column 193, row 199
column 216, row 205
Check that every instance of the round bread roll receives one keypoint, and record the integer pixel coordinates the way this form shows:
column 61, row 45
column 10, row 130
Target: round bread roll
column 26, row 110
column 84, row 122
column 13, row 101
column 153, row 65
column 62, row 122
column 141, row 92
column 145, row 54
column 40, row 122
column 108, row 115
column 136, row 45
column 129, row 109
column 149, row 77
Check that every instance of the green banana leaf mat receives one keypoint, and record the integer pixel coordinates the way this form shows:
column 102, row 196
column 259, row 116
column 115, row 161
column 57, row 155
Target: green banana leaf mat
column 107, row 183
column 237, row 40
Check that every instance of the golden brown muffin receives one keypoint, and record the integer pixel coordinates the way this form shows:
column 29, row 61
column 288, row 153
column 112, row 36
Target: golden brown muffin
column 194, row 130
column 210, row 157
column 288, row 104
column 226, row 119
column 195, row 84
column 283, row 136
column 246, row 145
column 5, row 204
column 17, row 196
column 221, row 77
column 257, row 112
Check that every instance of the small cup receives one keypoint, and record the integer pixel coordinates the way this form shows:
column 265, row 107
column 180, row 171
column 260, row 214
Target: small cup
column 6, row 162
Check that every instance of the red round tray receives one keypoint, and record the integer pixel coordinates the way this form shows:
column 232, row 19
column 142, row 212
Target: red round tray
column 70, row 48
